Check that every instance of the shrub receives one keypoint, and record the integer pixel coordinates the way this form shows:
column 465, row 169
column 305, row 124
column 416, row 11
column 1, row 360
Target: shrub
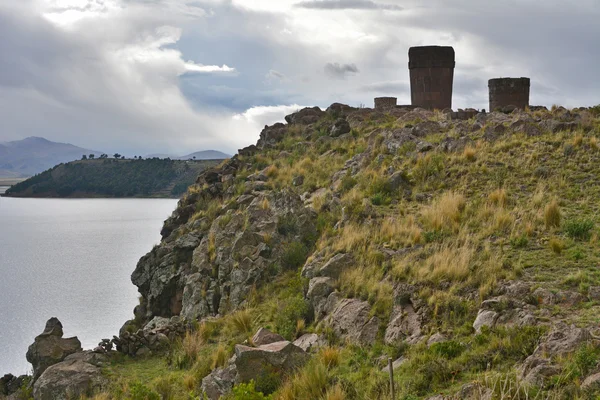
column 552, row 215
column 242, row 321
column 286, row 321
column 380, row 199
column 247, row 391
column 519, row 241
column 139, row 391
column 294, row 255
column 556, row 245
column 287, row 225
column 579, row 229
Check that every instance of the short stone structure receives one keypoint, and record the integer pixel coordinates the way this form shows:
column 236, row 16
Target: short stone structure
column 431, row 76
column 385, row 102
column 505, row 92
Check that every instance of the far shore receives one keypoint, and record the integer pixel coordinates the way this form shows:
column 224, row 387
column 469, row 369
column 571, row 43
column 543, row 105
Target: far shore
column 10, row 181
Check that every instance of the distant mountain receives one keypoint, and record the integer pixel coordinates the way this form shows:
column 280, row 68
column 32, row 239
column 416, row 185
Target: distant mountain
column 200, row 155
column 206, row 155
column 30, row 156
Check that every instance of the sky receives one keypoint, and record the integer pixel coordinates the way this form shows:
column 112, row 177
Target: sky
column 177, row 76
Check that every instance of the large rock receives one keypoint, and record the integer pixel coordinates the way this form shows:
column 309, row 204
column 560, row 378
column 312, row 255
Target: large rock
column 219, row 382
column 319, row 290
column 69, row 379
column 306, row 116
column 405, row 325
column 50, row 348
column 258, row 363
column 563, row 339
column 351, row 320
column 339, row 128
column 264, row 336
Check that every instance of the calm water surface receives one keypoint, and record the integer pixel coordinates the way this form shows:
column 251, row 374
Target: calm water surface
column 71, row 259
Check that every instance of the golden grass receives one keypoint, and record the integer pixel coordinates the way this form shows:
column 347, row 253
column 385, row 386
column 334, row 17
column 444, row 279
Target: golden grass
column 219, row 357
column 552, row 215
column 329, row 356
column 242, row 321
column 265, row 205
column 309, row 383
column 470, row 153
column 335, row 393
column 192, row 343
column 400, row 232
column 450, row 262
column 556, row 245
column 498, row 198
column 445, row 212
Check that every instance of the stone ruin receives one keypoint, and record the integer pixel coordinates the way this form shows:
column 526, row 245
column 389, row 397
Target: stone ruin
column 431, row 82
column 385, row 102
column 431, row 76
column 509, row 92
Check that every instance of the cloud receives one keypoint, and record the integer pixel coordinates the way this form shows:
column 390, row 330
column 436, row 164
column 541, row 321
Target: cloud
column 346, row 5
column 389, row 87
column 191, row 66
column 340, row 71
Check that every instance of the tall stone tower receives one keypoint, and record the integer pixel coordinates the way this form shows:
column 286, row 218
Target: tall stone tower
column 509, row 92
column 431, row 76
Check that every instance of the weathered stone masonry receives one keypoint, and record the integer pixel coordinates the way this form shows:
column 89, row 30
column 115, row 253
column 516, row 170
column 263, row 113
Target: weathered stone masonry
column 385, row 102
column 509, row 92
column 431, row 76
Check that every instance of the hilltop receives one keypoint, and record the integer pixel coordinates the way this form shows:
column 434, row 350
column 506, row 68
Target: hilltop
column 110, row 177
column 32, row 155
column 461, row 245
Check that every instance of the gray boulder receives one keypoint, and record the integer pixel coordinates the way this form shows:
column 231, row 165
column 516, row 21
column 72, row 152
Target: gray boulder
column 339, row 128
column 319, row 290
column 69, row 379
column 405, row 325
column 336, row 265
column 256, row 363
column 219, row 382
column 308, row 342
column 50, row 348
column 351, row 320
column 264, row 336
column 485, row 318
column 306, row 116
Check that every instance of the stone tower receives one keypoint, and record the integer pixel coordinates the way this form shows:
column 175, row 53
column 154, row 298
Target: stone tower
column 385, row 102
column 509, row 92
column 431, row 76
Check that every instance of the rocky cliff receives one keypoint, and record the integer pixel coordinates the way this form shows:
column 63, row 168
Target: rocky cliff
column 461, row 245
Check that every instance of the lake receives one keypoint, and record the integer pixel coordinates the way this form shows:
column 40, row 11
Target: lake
column 70, row 259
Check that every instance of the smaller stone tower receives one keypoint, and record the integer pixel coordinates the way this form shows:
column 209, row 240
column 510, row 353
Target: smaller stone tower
column 385, row 102
column 509, row 92
column 431, row 76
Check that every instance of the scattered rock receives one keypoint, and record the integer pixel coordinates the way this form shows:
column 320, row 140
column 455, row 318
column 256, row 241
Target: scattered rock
column 308, row 342
column 319, row 289
column 257, row 363
column 219, row 382
column 405, row 325
column 436, row 338
column 264, row 336
column 592, row 383
column 69, row 379
column 336, row 265
column 350, row 319
column 305, row 116
column 339, row 128
column 50, row 348
column 485, row 318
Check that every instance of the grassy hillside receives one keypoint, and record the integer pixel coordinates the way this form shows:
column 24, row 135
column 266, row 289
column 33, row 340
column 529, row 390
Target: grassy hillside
column 474, row 247
column 113, row 178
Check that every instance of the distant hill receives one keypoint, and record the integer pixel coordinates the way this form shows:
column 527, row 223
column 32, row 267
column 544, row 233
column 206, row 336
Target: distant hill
column 27, row 157
column 199, row 155
column 113, row 178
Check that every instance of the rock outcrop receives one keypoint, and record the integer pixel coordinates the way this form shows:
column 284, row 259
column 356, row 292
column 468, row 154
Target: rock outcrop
column 50, row 348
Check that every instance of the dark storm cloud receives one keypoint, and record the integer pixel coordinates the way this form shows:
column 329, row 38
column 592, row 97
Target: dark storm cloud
column 340, row 71
column 346, row 5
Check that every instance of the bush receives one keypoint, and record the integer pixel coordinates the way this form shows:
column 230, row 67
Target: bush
column 448, row 350
column 286, row 321
column 552, row 215
column 579, row 229
column 247, row 391
column 294, row 255
column 139, row 391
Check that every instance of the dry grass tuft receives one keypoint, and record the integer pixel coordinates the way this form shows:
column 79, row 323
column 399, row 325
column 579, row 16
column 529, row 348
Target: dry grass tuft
column 242, row 321
column 449, row 262
column 552, row 215
column 265, row 205
column 556, row 245
column 445, row 212
column 498, row 198
column 219, row 357
column 470, row 153
column 192, row 344
column 335, row 393
column 329, row 356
